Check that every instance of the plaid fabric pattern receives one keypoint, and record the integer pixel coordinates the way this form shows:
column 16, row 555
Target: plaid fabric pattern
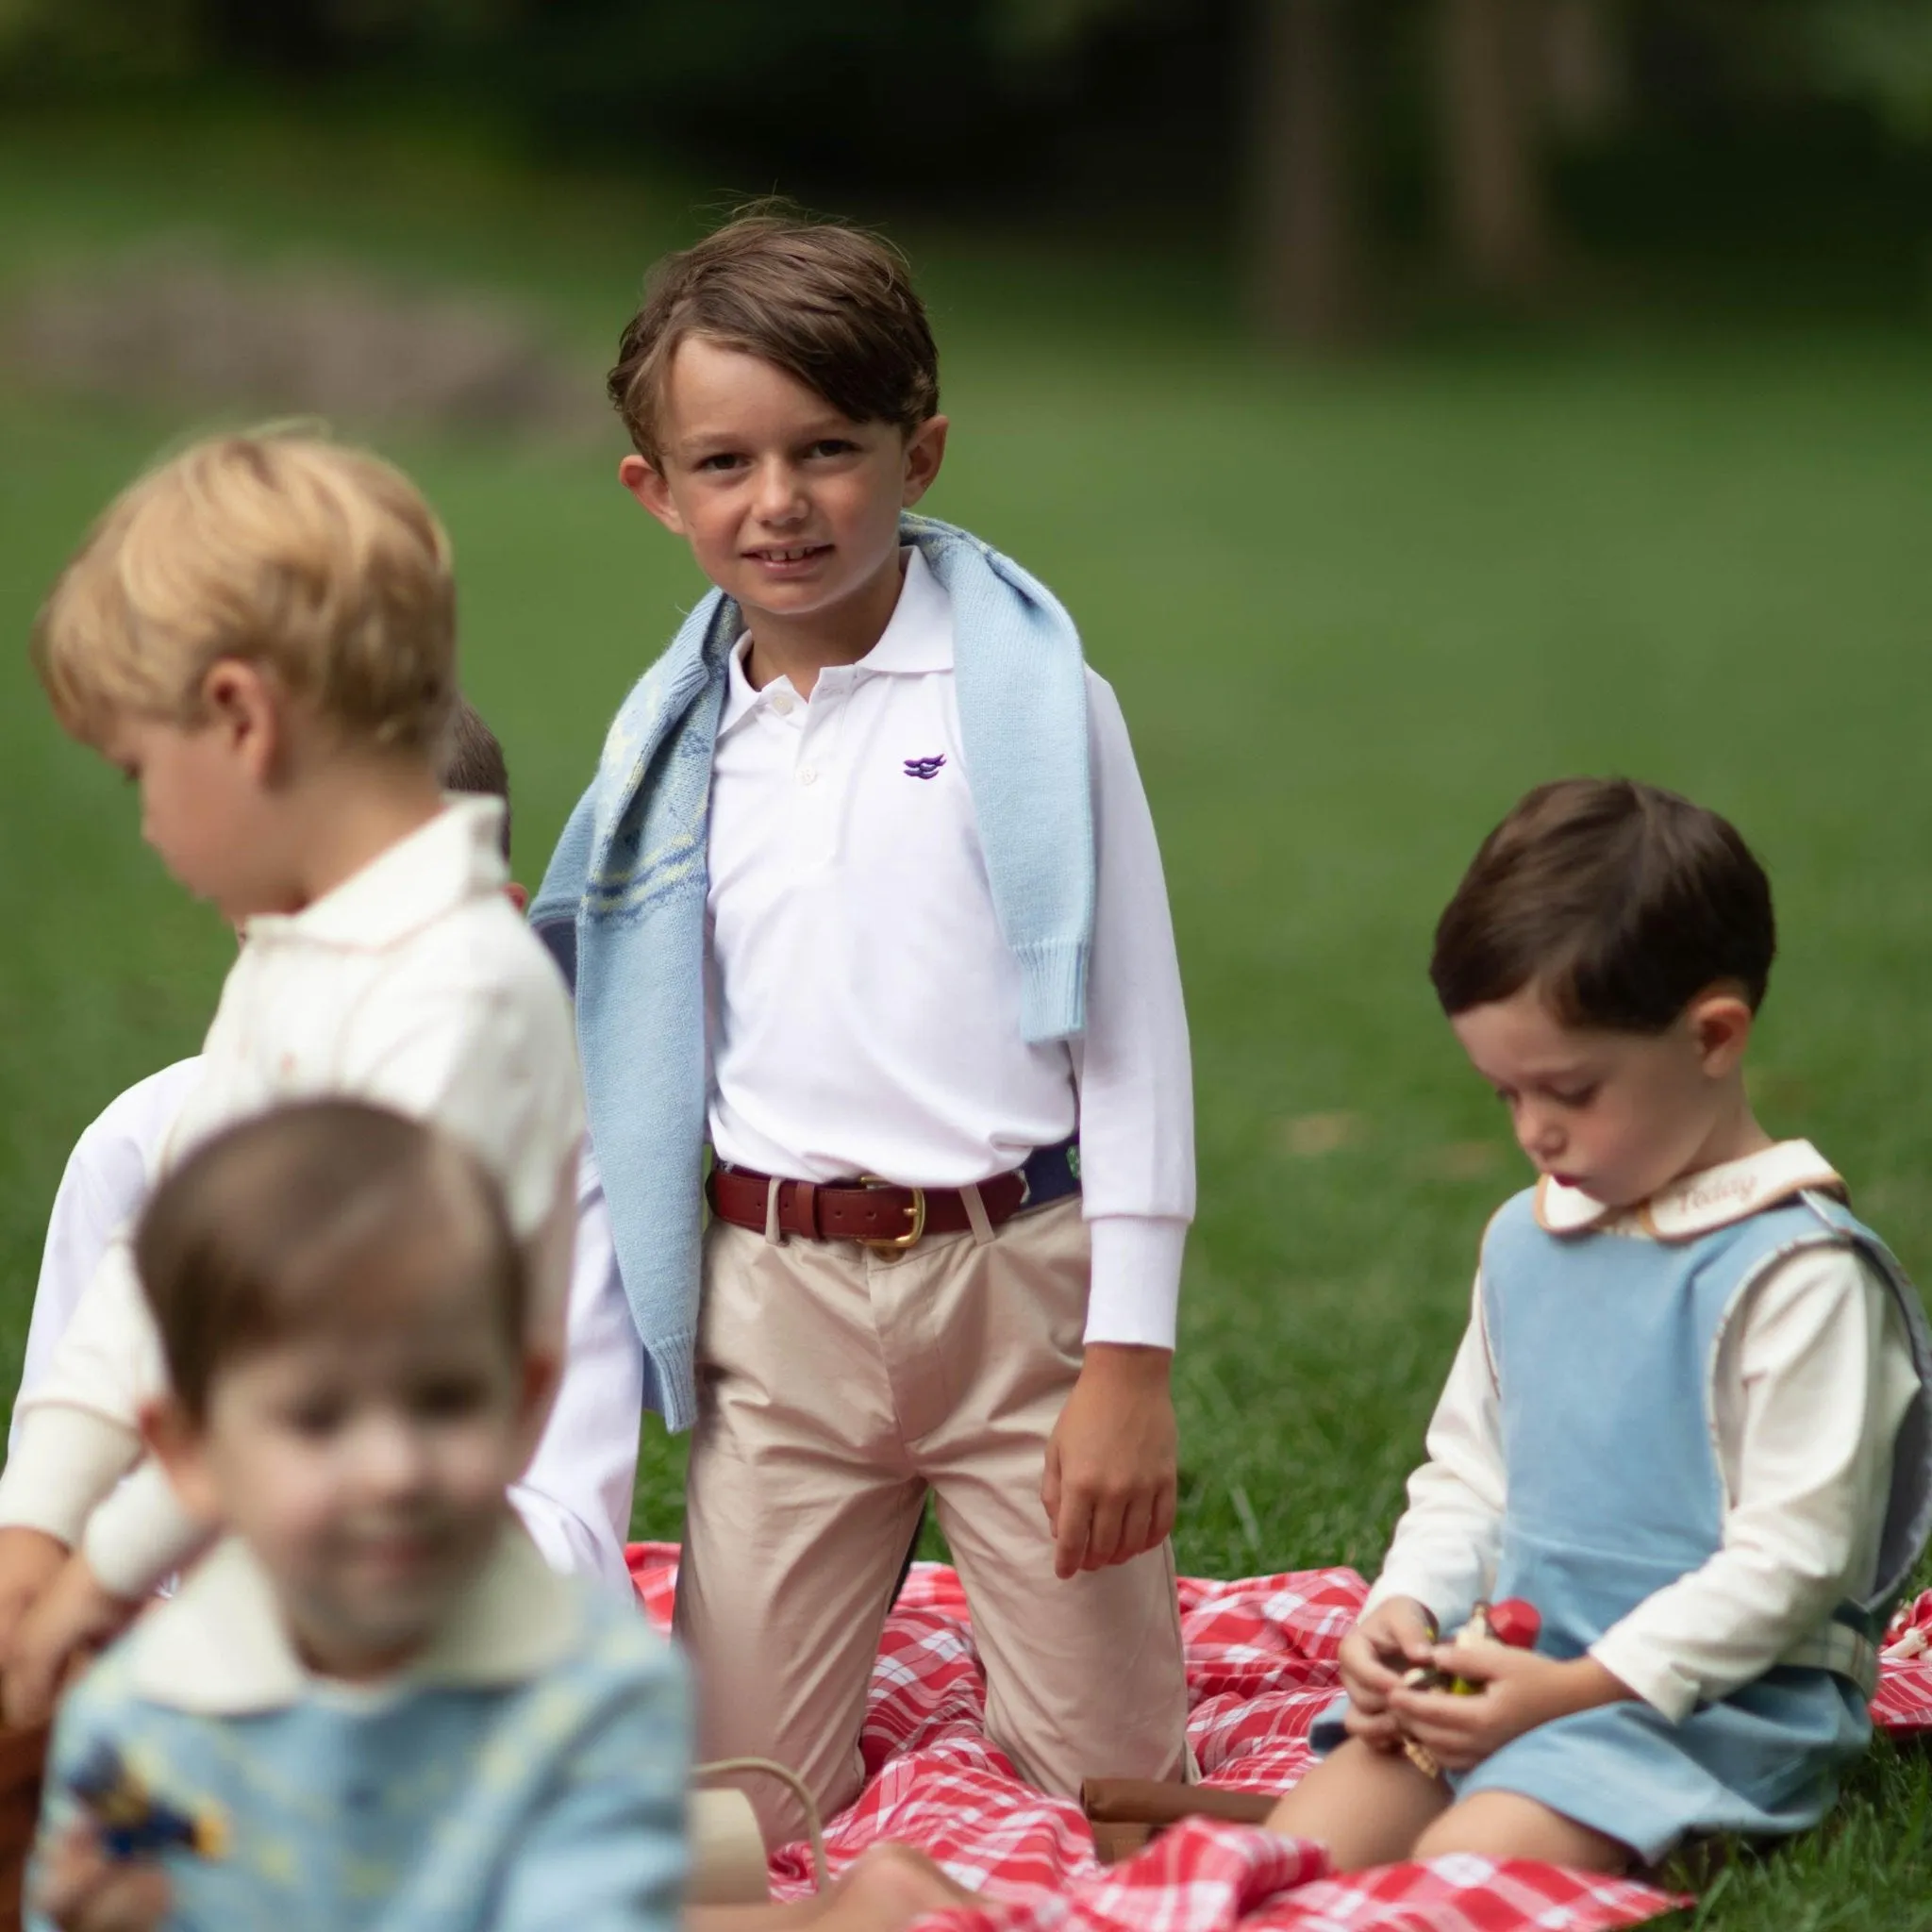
column 1904, row 1702
column 1260, row 1666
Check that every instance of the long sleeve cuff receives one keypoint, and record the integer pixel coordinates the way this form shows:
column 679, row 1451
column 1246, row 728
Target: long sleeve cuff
column 566, row 1543
column 65, row 1460
column 140, row 1534
column 1628, row 1658
column 1135, row 1292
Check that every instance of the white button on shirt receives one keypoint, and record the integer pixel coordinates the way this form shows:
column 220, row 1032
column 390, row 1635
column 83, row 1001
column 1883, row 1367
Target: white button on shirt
column 863, row 1011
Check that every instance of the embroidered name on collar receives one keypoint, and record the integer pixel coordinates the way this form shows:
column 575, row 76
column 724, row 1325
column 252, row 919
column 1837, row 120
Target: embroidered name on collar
column 1700, row 1203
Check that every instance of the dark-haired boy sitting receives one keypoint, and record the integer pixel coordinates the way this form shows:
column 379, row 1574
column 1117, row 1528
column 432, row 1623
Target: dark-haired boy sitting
column 866, row 892
column 1689, row 1418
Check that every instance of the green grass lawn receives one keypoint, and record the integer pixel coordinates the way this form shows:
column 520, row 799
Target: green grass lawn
column 1351, row 616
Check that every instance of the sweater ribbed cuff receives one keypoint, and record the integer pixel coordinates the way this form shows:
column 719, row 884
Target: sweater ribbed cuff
column 1053, row 990
column 65, row 1460
column 140, row 1534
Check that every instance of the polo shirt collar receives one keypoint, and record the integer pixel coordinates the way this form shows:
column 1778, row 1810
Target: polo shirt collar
column 220, row 1647
column 457, row 856
column 1699, row 1203
column 918, row 638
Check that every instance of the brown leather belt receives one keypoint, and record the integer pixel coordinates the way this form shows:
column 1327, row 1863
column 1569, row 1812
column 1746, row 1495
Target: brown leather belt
column 877, row 1214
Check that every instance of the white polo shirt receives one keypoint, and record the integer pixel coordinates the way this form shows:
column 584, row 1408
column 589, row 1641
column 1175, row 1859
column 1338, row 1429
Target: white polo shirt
column 414, row 984
column 862, row 1010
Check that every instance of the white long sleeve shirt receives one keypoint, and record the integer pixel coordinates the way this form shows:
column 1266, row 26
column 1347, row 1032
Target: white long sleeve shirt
column 1813, row 1376
column 576, row 1496
column 863, row 1010
column 412, row 985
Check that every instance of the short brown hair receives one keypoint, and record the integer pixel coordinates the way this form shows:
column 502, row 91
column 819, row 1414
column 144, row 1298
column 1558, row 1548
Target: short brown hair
column 274, row 1228
column 1621, row 902
column 320, row 562
column 475, row 763
column 830, row 305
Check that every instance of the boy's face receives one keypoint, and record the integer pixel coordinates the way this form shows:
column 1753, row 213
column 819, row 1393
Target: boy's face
column 1620, row 1115
column 366, row 1465
column 203, row 787
column 789, row 507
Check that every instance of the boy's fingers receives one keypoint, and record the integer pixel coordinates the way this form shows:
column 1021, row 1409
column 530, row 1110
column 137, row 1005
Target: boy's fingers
column 1050, row 1488
column 1103, row 1536
column 1164, row 1511
column 1069, row 1541
column 1137, row 1529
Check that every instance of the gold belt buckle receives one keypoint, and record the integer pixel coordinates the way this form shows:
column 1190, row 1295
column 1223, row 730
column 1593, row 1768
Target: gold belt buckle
column 896, row 1244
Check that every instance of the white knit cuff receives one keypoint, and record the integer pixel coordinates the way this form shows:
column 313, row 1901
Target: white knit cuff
column 65, row 1460
column 140, row 1534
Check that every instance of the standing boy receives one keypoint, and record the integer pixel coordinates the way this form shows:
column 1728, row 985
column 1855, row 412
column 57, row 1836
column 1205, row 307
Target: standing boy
column 261, row 633
column 866, row 893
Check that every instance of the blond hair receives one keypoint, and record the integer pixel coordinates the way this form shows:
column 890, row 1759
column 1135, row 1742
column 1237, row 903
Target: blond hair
column 320, row 564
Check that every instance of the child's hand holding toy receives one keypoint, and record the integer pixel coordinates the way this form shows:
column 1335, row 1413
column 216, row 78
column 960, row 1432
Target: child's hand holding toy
column 1472, row 1696
column 83, row 1889
column 1398, row 1635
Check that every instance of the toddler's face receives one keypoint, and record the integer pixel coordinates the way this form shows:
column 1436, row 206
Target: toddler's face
column 366, row 1465
column 199, row 806
column 1620, row 1115
column 789, row 505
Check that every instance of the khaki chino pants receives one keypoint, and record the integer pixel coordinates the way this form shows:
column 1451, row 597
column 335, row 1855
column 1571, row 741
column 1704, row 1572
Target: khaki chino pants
column 836, row 1386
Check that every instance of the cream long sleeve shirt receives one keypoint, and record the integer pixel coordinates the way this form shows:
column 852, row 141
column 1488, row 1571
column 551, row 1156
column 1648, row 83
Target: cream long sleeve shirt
column 1812, row 1377
column 863, row 1010
column 576, row 1496
column 412, row 985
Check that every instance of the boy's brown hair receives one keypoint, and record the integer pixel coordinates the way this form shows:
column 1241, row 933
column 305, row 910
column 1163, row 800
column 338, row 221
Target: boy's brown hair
column 1621, row 902
column 830, row 305
column 320, row 563
column 295, row 1221
column 474, row 761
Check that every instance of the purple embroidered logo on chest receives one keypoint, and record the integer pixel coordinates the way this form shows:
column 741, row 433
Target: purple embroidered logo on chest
column 925, row 767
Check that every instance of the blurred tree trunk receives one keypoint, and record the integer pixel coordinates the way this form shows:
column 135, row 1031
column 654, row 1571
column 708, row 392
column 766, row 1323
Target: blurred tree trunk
column 1491, row 98
column 1304, row 252
column 1584, row 68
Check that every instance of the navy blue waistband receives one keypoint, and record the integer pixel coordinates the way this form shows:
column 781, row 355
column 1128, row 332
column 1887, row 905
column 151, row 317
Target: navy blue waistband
column 1052, row 1173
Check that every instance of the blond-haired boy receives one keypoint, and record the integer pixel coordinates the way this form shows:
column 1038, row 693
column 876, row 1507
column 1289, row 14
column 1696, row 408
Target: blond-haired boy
column 261, row 633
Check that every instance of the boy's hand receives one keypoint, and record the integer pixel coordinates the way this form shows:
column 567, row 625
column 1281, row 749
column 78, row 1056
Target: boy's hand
column 29, row 1561
column 1394, row 1637
column 1111, row 1474
column 82, row 1889
column 74, row 1619
column 1521, row 1690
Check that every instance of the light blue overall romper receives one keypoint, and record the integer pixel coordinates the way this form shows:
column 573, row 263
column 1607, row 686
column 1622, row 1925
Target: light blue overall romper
column 1604, row 1348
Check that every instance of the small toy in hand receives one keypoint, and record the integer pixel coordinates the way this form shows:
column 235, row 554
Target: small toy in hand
column 1512, row 1622
column 132, row 1821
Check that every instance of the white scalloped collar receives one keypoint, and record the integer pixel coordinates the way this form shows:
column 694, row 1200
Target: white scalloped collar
column 1699, row 1203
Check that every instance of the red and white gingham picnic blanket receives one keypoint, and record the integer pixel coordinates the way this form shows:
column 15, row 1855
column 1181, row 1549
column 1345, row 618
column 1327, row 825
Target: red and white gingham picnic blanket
column 1260, row 1665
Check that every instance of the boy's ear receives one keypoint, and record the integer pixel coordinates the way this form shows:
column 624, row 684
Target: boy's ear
column 241, row 701
column 645, row 481
column 926, row 450
column 176, row 1442
column 1720, row 1022
column 518, row 896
